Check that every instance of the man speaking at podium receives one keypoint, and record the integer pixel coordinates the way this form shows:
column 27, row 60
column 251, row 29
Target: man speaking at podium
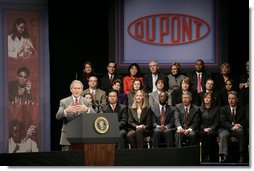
column 70, row 107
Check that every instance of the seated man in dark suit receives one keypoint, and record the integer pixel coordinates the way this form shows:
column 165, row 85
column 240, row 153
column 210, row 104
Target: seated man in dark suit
column 163, row 122
column 187, row 117
column 232, row 119
column 114, row 107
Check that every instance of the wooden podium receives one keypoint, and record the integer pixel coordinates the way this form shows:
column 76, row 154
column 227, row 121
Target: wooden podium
column 98, row 154
column 95, row 134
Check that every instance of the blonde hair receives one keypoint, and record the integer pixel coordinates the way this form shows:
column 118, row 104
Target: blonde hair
column 144, row 102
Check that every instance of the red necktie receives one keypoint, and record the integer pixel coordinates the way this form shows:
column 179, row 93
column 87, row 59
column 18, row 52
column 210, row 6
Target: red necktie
column 162, row 116
column 111, row 79
column 76, row 101
column 185, row 119
column 199, row 83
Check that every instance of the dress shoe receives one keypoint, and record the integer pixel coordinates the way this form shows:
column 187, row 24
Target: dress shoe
column 224, row 158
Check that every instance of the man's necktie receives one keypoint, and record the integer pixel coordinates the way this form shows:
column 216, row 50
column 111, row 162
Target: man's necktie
column 199, row 83
column 76, row 101
column 113, row 107
column 185, row 119
column 233, row 116
column 111, row 79
column 162, row 116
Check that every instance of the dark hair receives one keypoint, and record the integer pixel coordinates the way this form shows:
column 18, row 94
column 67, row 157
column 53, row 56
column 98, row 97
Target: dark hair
column 113, row 90
column 200, row 60
column 118, row 81
column 88, row 63
column 212, row 99
column 159, row 80
column 141, row 84
column 138, row 69
column 14, row 31
column 165, row 94
column 23, row 69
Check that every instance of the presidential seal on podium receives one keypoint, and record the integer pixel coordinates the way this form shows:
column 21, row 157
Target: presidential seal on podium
column 101, row 125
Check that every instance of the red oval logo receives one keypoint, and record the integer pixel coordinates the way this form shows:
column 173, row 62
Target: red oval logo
column 168, row 29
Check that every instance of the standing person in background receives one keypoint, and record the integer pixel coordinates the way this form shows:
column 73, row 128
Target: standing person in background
column 152, row 76
column 70, row 107
column 133, row 73
column 139, row 120
column 114, row 107
column 106, row 81
column 19, row 43
column 175, row 78
column 87, row 71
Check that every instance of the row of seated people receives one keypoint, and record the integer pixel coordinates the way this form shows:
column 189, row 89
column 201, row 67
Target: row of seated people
column 99, row 98
column 184, row 123
column 199, row 81
column 198, row 77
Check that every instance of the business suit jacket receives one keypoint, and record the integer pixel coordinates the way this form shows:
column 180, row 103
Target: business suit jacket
column 145, row 118
column 193, row 116
column 99, row 98
column 105, row 81
column 148, row 81
column 226, row 119
column 169, row 116
column 64, row 103
column 122, row 114
column 212, row 120
column 194, row 79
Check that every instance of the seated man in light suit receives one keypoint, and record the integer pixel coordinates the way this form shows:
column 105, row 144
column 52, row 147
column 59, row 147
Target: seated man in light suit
column 187, row 117
column 70, row 107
